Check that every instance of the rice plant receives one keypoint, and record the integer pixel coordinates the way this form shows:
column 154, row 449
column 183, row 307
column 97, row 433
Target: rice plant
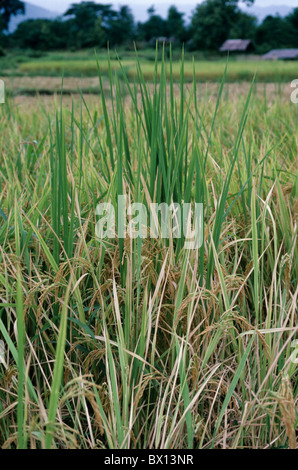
column 138, row 343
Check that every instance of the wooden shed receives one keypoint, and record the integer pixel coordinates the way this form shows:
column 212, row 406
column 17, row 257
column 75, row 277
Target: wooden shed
column 237, row 45
column 281, row 54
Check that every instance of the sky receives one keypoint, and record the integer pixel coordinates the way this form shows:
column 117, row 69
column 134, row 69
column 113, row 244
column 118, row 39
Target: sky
column 61, row 5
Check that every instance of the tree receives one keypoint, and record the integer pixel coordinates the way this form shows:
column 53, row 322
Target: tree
column 86, row 24
column 33, row 34
column 9, row 8
column 273, row 33
column 60, row 34
column 213, row 21
column 292, row 20
column 175, row 24
column 85, row 13
column 107, row 15
column 121, row 28
column 244, row 28
column 154, row 27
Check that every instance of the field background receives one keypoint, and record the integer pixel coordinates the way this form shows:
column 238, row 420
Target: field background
column 83, row 64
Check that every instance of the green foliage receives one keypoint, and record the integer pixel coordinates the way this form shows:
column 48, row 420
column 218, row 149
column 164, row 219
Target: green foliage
column 293, row 21
column 154, row 27
column 49, row 35
column 85, row 28
column 9, row 8
column 211, row 23
column 214, row 21
column 245, row 27
column 122, row 27
column 32, row 33
column 277, row 33
column 176, row 25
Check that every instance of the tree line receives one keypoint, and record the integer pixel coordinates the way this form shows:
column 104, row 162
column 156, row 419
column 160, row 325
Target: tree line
column 89, row 24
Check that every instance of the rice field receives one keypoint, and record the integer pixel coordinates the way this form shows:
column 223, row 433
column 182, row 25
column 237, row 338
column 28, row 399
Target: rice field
column 241, row 70
column 139, row 343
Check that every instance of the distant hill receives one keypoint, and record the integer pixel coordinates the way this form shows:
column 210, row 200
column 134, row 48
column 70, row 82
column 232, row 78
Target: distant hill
column 262, row 12
column 32, row 12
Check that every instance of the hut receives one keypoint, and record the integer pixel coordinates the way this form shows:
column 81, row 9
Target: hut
column 237, row 45
column 281, row 54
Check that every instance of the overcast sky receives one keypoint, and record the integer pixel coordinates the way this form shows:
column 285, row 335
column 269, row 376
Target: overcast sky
column 61, row 5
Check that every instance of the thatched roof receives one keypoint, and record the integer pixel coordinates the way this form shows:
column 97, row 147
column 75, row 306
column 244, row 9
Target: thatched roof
column 235, row 45
column 281, row 54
